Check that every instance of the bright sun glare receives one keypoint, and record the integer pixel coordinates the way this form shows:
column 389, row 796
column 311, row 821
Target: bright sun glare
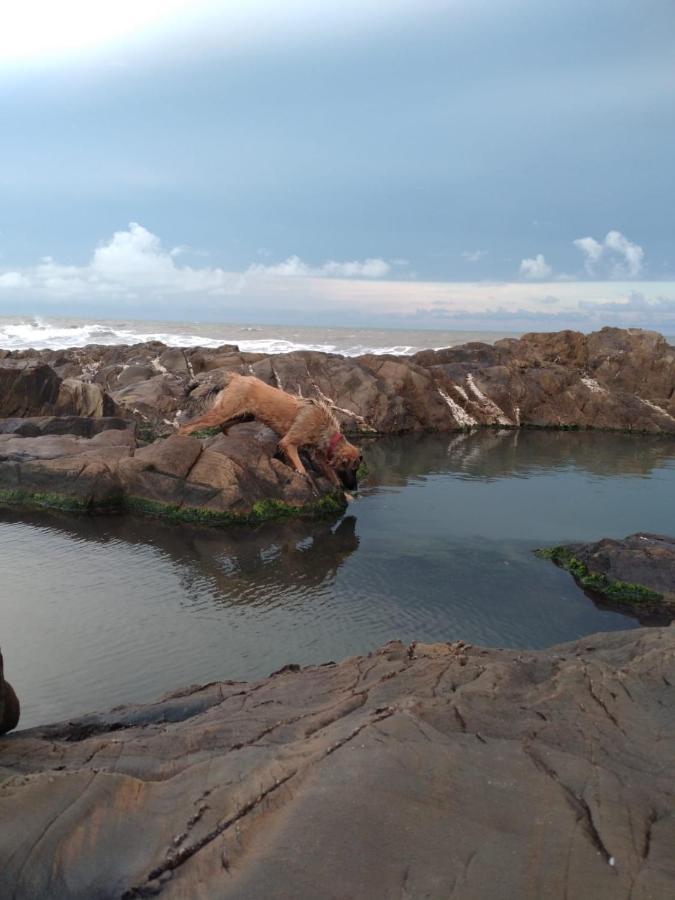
column 37, row 29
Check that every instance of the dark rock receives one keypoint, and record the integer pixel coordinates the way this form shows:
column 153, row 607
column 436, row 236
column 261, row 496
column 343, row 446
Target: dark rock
column 229, row 478
column 417, row 771
column 155, row 399
column 27, row 388
column 81, row 426
column 9, row 707
column 635, row 575
column 614, row 378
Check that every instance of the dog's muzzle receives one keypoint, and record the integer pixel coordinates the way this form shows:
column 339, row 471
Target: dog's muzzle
column 349, row 480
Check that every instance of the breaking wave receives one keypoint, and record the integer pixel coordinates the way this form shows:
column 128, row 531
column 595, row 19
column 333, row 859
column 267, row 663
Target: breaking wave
column 39, row 334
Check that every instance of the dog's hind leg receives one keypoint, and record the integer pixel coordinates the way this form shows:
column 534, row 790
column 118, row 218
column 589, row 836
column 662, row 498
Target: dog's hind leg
column 209, row 420
column 225, row 411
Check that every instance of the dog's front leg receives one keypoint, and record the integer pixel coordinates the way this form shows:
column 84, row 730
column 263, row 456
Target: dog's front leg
column 327, row 470
column 291, row 452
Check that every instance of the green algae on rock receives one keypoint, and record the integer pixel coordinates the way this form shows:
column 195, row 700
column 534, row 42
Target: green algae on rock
column 619, row 591
column 636, row 574
column 227, row 479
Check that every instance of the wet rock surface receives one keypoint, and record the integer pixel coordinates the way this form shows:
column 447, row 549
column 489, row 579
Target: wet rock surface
column 215, row 480
column 422, row 771
column 614, row 378
column 9, row 704
column 636, row 574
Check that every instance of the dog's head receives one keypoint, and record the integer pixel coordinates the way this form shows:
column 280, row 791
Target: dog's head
column 346, row 461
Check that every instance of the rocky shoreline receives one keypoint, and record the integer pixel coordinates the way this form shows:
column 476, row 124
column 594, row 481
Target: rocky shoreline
column 418, row 771
column 614, row 378
column 93, row 429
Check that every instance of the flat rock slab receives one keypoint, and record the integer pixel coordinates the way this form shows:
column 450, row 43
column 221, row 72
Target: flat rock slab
column 429, row 771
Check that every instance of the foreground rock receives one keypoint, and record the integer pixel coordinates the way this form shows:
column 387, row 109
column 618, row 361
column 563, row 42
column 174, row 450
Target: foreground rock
column 614, row 378
column 636, row 574
column 9, row 703
column 428, row 771
column 104, row 468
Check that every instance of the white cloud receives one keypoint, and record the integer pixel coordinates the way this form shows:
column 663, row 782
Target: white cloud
column 369, row 268
column 592, row 250
column 130, row 262
column 615, row 245
column 12, row 280
column 133, row 271
column 632, row 253
column 473, row 256
column 535, row 268
column 295, row 267
column 133, row 264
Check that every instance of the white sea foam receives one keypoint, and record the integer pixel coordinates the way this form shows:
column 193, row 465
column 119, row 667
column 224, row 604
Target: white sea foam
column 39, row 334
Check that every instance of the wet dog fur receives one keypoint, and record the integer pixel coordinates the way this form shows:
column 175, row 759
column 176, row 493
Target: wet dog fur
column 301, row 424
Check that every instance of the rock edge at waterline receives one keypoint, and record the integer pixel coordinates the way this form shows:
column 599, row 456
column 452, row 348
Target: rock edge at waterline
column 416, row 771
column 634, row 575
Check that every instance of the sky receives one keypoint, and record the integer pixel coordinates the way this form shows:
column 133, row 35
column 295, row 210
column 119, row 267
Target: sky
column 496, row 164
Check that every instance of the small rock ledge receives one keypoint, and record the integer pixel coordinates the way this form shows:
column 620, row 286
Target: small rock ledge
column 635, row 575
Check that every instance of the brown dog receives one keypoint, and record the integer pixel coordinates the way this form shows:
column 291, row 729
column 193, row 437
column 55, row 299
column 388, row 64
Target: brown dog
column 299, row 422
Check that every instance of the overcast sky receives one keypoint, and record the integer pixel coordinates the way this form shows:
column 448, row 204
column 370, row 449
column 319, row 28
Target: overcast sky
column 438, row 163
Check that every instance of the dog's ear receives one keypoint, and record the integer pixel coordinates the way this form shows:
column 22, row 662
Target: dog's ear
column 350, row 455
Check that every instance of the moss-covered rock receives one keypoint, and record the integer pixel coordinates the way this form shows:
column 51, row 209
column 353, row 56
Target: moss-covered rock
column 636, row 575
column 230, row 479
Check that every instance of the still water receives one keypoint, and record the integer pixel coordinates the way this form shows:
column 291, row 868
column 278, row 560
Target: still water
column 438, row 546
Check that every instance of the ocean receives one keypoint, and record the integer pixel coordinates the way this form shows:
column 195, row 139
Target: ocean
column 20, row 333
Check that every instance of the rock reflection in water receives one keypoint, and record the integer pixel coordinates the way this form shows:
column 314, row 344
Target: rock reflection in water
column 438, row 546
column 502, row 453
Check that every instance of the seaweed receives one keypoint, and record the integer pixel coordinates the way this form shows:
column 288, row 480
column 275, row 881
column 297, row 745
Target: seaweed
column 622, row 592
column 261, row 511
column 362, row 471
column 202, row 433
column 43, row 499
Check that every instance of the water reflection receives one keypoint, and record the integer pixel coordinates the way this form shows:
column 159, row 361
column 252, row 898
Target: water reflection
column 487, row 454
column 270, row 558
column 438, row 546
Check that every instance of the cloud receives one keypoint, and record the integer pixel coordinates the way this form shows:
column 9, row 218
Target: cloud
column 133, row 271
column 132, row 263
column 535, row 268
column 294, row 267
column 615, row 245
column 592, row 250
column 632, row 253
column 659, row 309
column 12, row 280
column 473, row 256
